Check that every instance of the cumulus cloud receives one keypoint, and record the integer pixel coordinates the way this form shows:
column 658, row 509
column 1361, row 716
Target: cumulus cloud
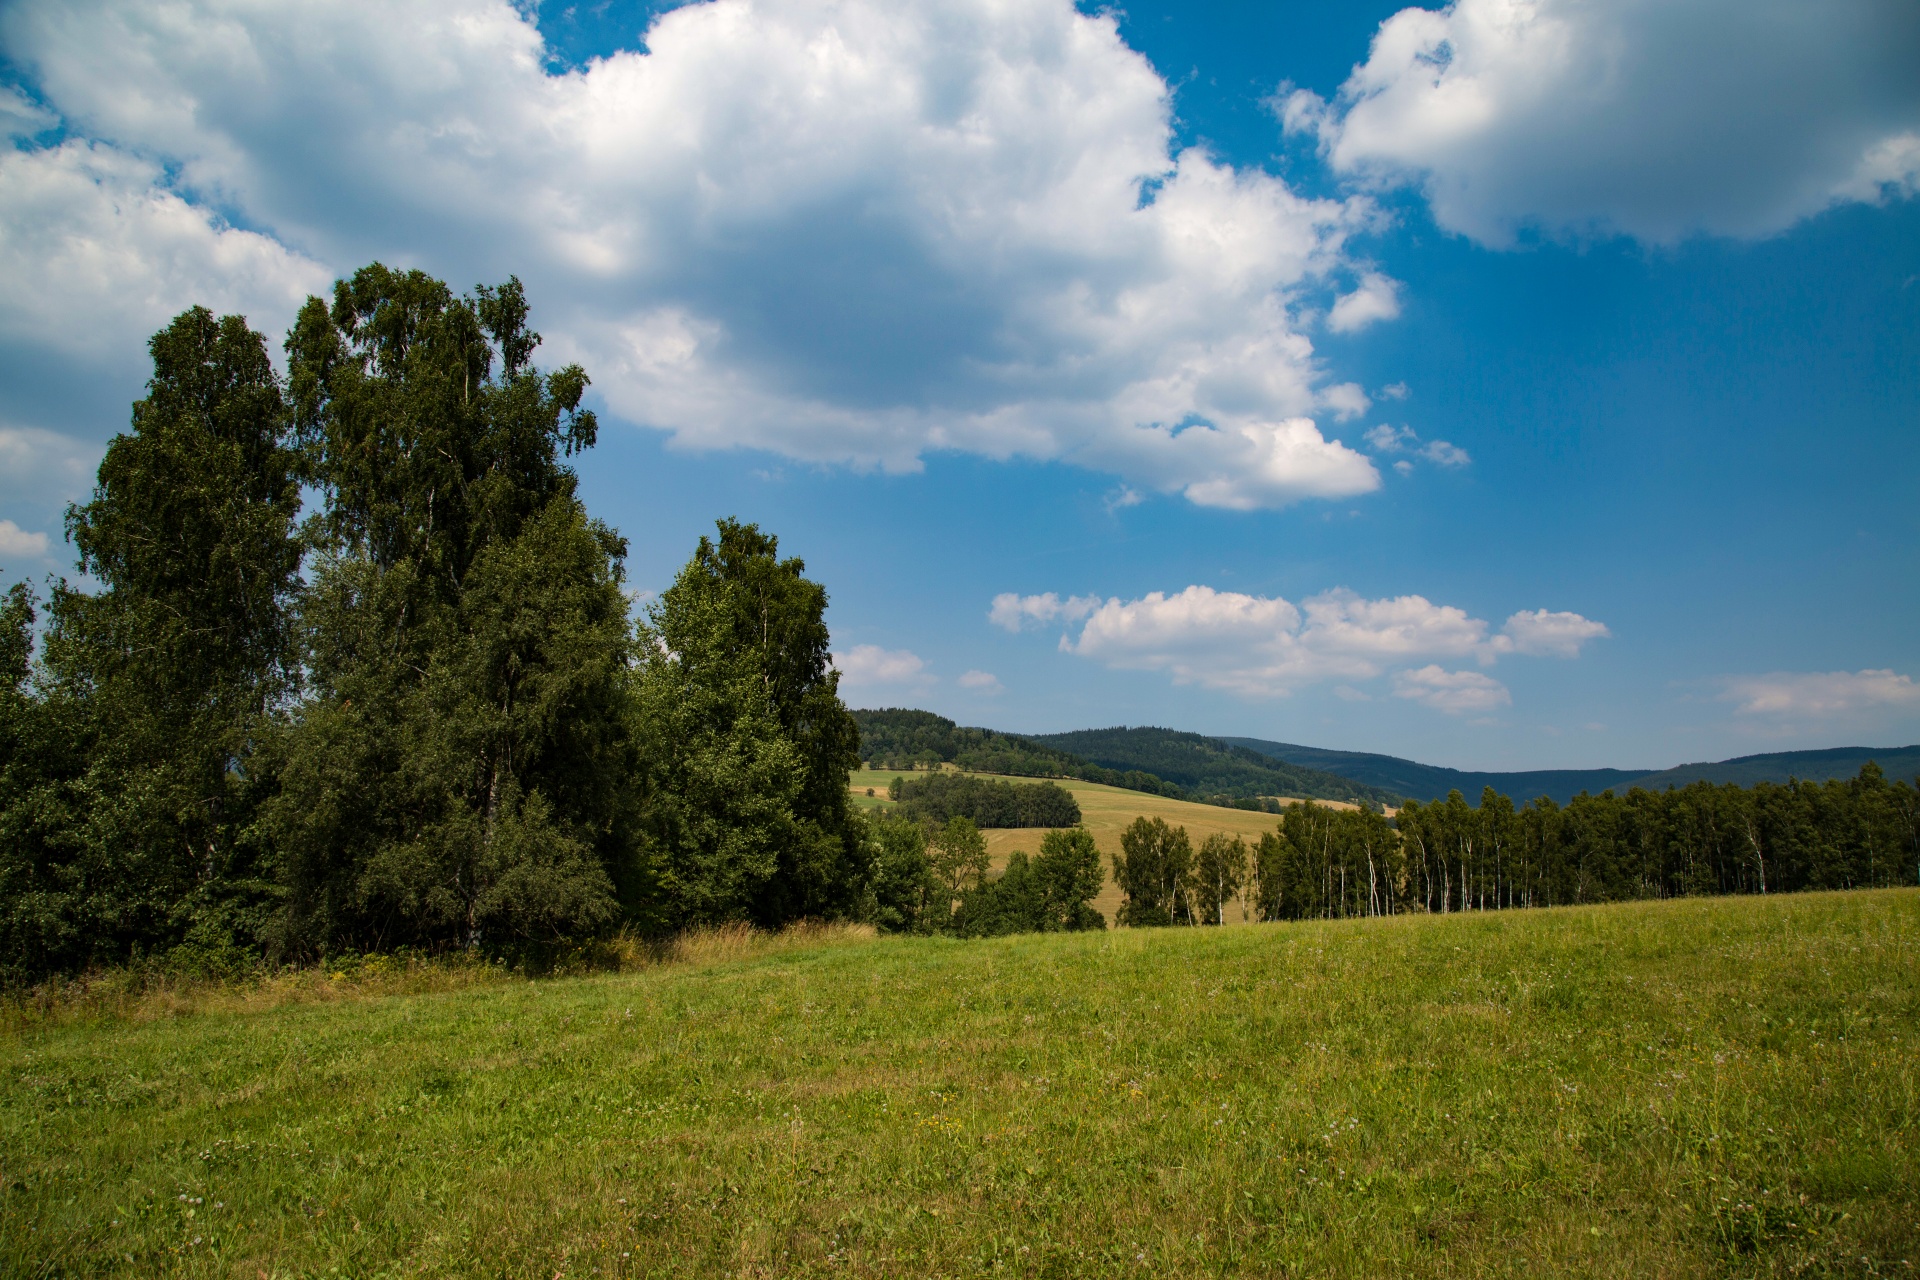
column 849, row 231
column 1649, row 118
column 15, row 541
column 1454, row 692
column 1820, row 694
column 981, row 682
column 1404, row 439
column 97, row 253
column 1544, row 634
column 1266, row 646
column 1014, row 611
column 868, row 666
column 1376, row 298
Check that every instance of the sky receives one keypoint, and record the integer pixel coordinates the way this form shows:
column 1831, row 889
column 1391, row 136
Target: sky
column 1519, row 384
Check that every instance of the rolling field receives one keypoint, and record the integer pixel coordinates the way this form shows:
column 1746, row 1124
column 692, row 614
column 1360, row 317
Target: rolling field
column 1106, row 812
column 1719, row 1087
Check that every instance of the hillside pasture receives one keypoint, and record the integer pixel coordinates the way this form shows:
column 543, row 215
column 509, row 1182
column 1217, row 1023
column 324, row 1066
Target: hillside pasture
column 1106, row 812
column 1697, row 1088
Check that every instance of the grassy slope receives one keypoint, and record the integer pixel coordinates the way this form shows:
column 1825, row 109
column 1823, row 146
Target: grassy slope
column 1106, row 812
column 1700, row 1088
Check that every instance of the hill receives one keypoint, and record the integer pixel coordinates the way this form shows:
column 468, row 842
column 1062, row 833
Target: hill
column 1779, row 766
column 1425, row 782
column 900, row 738
column 1431, row 782
column 1212, row 767
column 1694, row 1088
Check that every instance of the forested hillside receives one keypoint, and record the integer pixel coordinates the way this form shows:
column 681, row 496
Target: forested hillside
column 1433, row 782
column 1210, row 768
column 1781, row 766
column 898, row 738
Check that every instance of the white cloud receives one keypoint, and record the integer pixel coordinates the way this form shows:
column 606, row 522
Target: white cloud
column 981, row 682
column 15, row 541
column 844, row 230
column 1650, row 118
column 1388, row 439
column 1260, row 646
column 1393, row 391
column 97, row 254
column 867, row 666
column 1014, row 611
column 1454, row 692
column 1376, row 298
column 1820, row 694
column 1403, row 439
column 1544, row 634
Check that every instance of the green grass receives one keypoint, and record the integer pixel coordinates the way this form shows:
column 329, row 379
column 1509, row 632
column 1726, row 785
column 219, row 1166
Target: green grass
column 1701, row 1088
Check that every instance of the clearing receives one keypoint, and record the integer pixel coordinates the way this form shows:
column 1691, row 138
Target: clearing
column 1718, row 1087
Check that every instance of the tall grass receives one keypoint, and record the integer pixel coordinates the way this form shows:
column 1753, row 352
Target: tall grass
column 146, row 992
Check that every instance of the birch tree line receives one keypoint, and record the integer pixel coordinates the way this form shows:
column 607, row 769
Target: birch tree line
column 1448, row 856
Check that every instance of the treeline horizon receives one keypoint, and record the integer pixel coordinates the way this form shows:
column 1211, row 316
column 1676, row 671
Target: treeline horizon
column 1701, row 840
column 1163, row 762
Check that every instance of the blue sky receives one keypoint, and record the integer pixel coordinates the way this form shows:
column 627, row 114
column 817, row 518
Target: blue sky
column 1505, row 385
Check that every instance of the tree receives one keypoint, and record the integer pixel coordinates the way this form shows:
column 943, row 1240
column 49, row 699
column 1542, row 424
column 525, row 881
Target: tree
column 1051, row 892
column 460, row 773
column 903, row 885
column 958, row 855
column 1217, row 874
column 747, row 744
column 163, row 679
column 1150, row 869
column 1068, row 877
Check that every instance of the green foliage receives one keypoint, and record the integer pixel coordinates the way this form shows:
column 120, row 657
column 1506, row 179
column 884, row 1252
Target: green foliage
column 136, row 771
column 458, row 774
column 989, row 802
column 957, row 854
column 1152, row 869
column 905, row 892
column 1218, row 873
column 746, row 745
column 1701, row 838
column 896, row 738
column 1327, row 862
column 1052, row 892
column 1208, row 769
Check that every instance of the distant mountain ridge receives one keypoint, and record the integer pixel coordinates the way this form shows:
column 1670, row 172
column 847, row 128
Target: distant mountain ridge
column 1188, row 766
column 1211, row 767
column 1432, row 782
column 1227, row 770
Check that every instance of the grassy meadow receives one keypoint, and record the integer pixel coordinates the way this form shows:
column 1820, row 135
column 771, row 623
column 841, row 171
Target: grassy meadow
column 1106, row 812
column 1721, row 1087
